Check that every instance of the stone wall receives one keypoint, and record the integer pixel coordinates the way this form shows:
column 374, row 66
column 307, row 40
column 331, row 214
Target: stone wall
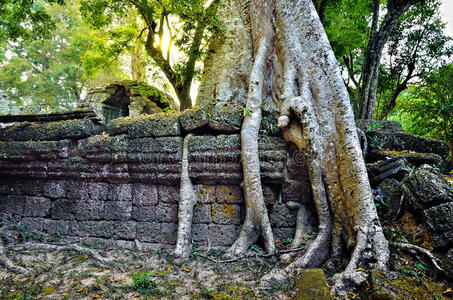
column 120, row 182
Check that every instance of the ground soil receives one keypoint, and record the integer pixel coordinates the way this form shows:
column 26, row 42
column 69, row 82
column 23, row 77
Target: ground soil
column 146, row 274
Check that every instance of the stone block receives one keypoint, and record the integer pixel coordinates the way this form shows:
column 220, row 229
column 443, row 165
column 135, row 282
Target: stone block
column 169, row 233
column 168, row 193
column 89, row 210
column 144, row 195
column 63, row 209
column 226, row 214
column 37, row 206
column 205, row 193
column 50, row 131
column 227, row 117
column 229, row 194
column 88, row 190
column 166, row 212
column 282, row 233
column 120, row 192
column 80, row 228
column 118, row 210
column 144, row 213
column 56, row 226
column 36, row 224
column 426, row 189
column 200, row 233
column 104, row 229
column 55, row 189
column 202, row 213
column 296, row 191
column 154, row 125
column 192, row 119
column 312, row 284
column 32, row 187
column 125, row 230
column 271, row 195
column 12, row 204
column 281, row 216
column 439, row 220
column 149, row 232
column 223, row 235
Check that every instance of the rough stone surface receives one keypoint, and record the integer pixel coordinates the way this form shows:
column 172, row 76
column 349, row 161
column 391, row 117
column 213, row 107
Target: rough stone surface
column 400, row 141
column 226, row 214
column 312, row 284
column 439, row 220
column 55, row 189
column 223, row 235
column 391, row 193
column 391, row 285
column 122, row 183
column 155, row 125
column 55, row 131
column 36, row 206
column 448, row 262
column 120, row 192
column 227, row 117
column 281, row 216
column 425, row 189
column 415, row 159
column 117, row 210
column 193, row 119
column 144, row 195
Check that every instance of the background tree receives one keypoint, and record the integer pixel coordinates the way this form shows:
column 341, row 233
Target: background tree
column 379, row 35
column 416, row 46
column 161, row 17
column 427, row 109
column 49, row 73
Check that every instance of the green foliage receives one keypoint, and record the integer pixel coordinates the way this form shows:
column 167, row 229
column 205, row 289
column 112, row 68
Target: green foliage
column 416, row 47
column 184, row 24
column 49, row 74
column 428, row 109
column 25, row 20
column 347, row 25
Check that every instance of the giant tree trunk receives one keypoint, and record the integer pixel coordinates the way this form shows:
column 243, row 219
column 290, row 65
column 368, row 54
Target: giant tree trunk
column 294, row 65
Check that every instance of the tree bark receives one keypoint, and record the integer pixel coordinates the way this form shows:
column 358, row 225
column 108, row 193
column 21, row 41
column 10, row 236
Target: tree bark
column 294, row 65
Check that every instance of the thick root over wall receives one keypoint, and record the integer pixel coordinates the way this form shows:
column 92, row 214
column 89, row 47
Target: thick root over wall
column 295, row 66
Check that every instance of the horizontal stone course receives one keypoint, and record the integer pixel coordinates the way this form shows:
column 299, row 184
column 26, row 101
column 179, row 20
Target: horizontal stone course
column 121, row 181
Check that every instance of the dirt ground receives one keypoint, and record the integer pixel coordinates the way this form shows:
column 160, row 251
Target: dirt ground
column 147, row 274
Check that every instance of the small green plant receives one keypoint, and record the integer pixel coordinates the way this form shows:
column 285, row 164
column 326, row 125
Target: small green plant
column 288, row 240
column 246, row 111
column 255, row 248
column 194, row 253
column 143, row 283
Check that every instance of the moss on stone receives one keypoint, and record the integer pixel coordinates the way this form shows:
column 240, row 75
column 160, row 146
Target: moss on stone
column 312, row 284
column 391, row 285
column 53, row 131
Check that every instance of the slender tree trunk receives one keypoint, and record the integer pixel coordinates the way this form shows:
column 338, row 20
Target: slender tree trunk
column 183, row 93
column 377, row 41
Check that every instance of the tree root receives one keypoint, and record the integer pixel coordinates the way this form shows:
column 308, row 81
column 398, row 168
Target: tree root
column 276, row 254
column 256, row 219
column 187, row 201
column 31, row 246
column 8, row 264
column 93, row 254
column 426, row 253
